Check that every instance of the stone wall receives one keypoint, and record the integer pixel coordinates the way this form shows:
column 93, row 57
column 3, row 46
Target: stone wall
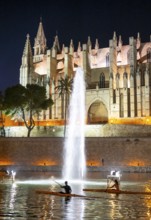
column 103, row 130
column 25, row 152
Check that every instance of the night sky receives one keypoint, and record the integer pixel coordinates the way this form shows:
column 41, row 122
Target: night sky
column 75, row 20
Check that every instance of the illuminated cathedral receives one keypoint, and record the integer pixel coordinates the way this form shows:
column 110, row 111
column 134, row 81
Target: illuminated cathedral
column 118, row 77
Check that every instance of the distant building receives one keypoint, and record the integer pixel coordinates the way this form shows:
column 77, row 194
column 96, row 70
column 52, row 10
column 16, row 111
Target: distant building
column 118, row 78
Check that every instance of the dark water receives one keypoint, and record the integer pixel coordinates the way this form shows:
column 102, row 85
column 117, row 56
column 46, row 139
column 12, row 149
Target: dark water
column 20, row 201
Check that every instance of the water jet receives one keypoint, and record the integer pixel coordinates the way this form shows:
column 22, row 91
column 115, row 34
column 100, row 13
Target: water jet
column 74, row 166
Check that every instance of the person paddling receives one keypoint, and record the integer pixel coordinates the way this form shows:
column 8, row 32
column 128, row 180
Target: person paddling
column 67, row 188
column 115, row 185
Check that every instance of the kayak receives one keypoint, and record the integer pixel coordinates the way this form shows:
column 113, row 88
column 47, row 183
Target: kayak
column 91, row 190
column 116, row 191
column 58, row 193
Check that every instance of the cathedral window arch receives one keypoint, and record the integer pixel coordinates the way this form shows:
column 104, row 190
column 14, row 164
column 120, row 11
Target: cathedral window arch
column 149, row 55
column 102, row 81
column 117, row 80
column 114, row 96
column 128, row 103
column 107, row 59
column 125, row 77
column 117, row 75
column 121, row 106
column 37, row 51
column 142, row 73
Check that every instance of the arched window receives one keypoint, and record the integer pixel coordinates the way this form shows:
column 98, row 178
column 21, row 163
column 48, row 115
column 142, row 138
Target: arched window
column 149, row 55
column 107, row 60
column 102, row 81
column 121, row 106
column 117, row 80
column 114, row 96
column 37, row 51
column 125, row 76
column 117, row 76
column 142, row 78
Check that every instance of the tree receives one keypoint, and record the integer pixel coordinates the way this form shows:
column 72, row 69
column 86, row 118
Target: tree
column 27, row 102
column 64, row 90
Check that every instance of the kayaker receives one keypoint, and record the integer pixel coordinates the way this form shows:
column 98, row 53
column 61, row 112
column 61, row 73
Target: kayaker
column 115, row 185
column 67, row 188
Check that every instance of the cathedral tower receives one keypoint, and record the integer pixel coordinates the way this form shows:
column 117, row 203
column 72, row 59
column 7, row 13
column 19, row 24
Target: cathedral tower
column 26, row 69
column 40, row 45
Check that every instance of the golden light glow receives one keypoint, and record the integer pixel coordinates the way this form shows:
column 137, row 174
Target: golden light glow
column 45, row 162
column 131, row 121
column 93, row 163
column 40, row 68
column 8, row 121
column 50, row 123
column 136, row 163
column 4, row 162
column 147, row 200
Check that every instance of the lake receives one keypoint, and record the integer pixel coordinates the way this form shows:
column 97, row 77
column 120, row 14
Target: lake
column 19, row 201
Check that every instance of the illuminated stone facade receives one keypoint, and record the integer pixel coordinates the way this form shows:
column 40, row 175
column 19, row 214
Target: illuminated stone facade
column 118, row 78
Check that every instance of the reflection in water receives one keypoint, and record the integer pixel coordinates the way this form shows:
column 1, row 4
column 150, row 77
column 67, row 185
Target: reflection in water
column 149, row 213
column 114, row 204
column 72, row 204
column 112, row 212
column 12, row 196
column 148, row 199
column 47, row 208
column 67, row 199
column 21, row 202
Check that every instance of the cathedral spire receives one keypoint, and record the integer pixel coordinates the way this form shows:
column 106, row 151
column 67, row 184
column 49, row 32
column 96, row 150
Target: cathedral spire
column 79, row 47
column 120, row 43
column 56, row 44
column 138, row 41
column 27, row 64
column 40, row 40
column 114, row 36
column 89, row 44
column 27, row 49
column 96, row 44
column 56, row 47
column 89, row 41
column 63, row 49
column 71, row 47
column 71, row 43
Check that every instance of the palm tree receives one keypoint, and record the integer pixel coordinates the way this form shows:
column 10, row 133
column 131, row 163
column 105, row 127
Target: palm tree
column 64, row 90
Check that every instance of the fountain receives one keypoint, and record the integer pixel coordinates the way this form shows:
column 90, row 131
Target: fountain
column 74, row 153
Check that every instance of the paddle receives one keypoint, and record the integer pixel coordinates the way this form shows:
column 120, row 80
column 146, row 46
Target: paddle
column 56, row 181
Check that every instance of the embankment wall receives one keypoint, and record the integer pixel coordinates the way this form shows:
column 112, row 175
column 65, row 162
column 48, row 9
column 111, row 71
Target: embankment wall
column 48, row 151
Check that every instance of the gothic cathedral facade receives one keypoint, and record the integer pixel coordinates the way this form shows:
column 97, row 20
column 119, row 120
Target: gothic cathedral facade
column 118, row 78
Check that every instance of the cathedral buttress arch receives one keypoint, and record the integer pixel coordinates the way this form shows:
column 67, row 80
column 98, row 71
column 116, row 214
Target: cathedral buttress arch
column 97, row 113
